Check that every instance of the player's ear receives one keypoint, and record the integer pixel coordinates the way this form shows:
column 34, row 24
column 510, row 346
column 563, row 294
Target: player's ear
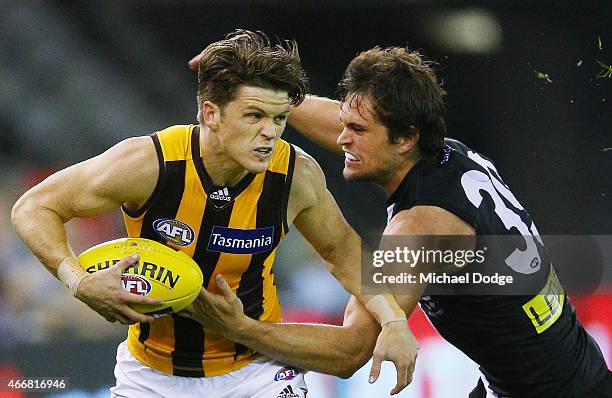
column 210, row 115
column 408, row 142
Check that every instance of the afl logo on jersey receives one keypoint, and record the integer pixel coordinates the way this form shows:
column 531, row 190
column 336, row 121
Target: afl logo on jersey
column 174, row 231
column 286, row 373
column 135, row 284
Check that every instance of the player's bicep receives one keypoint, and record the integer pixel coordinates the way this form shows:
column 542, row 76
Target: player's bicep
column 427, row 220
column 125, row 173
column 425, row 229
column 324, row 226
column 326, row 229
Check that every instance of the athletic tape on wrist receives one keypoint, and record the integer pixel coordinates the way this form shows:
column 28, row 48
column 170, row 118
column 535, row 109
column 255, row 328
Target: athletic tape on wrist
column 385, row 309
column 71, row 275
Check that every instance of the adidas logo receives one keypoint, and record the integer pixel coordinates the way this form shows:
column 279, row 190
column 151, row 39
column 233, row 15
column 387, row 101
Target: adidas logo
column 288, row 393
column 222, row 194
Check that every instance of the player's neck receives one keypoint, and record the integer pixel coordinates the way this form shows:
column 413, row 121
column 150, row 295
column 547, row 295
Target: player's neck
column 396, row 178
column 222, row 169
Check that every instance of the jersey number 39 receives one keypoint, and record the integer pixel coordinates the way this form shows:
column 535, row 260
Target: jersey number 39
column 473, row 182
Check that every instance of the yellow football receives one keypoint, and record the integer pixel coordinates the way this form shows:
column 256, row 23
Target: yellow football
column 162, row 272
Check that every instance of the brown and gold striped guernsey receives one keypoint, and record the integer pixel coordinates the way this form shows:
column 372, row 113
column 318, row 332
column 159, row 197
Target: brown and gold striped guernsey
column 228, row 230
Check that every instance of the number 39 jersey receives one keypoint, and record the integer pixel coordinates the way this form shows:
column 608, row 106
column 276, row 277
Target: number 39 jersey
column 526, row 345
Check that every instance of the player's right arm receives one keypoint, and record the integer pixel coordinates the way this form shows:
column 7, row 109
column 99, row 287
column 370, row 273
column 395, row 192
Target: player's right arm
column 318, row 119
column 125, row 174
column 335, row 350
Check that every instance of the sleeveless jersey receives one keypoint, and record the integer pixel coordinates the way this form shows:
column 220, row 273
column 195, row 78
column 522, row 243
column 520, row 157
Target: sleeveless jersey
column 525, row 345
column 229, row 230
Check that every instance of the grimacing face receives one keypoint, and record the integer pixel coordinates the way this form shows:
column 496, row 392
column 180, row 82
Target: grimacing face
column 251, row 124
column 368, row 154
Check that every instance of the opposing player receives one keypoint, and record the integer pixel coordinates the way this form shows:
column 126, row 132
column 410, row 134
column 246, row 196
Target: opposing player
column 224, row 191
column 391, row 130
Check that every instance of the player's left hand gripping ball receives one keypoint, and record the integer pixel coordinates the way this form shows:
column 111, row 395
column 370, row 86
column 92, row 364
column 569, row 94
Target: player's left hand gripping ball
column 162, row 272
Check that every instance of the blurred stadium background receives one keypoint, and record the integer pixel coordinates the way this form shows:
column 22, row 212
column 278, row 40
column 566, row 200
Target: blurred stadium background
column 524, row 87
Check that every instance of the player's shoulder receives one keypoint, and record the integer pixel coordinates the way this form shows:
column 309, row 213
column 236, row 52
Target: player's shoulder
column 133, row 151
column 434, row 190
column 308, row 179
column 134, row 167
column 461, row 156
column 306, row 165
column 442, row 171
column 428, row 219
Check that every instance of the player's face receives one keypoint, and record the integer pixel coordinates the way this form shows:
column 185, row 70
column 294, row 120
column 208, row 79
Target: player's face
column 251, row 124
column 368, row 155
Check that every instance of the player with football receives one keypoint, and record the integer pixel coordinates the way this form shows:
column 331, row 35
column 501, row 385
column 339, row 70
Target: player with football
column 229, row 178
column 390, row 127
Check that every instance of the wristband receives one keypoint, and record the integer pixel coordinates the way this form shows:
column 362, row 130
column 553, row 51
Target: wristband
column 385, row 309
column 71, row 275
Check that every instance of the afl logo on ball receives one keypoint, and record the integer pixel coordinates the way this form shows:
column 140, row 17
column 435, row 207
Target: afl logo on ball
column 174, row 231
column 135, row 284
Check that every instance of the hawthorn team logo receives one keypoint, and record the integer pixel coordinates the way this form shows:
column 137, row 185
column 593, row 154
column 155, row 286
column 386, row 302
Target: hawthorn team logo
column 174, row 231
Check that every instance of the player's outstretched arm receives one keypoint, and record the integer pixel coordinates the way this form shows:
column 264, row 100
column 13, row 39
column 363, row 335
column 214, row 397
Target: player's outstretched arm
column 335, row 350
column 318, row 119
column 125, row 174
column 316, row 215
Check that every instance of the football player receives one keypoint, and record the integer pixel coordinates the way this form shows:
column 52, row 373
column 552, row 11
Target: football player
column 390, row 127
column 236, row 186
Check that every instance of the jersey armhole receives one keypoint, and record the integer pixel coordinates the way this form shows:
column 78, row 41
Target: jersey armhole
column 287, row 188
column 465, row 216
column 160, row 179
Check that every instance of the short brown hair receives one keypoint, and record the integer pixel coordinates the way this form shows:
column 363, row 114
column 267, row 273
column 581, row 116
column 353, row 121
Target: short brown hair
column 405, row 92
column 248, row 58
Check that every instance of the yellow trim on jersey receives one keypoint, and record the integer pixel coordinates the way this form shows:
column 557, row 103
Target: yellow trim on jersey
column 279, row 162
column 132, row 225
column 191, row 208
column 175, row 144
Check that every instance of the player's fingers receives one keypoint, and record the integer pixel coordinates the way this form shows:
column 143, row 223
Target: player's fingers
column 402, row 377
column 410, row 373
column 138, row 299
column 125, row 263
column 223, row 287
column 204, row 294
column 375, row 370
column 207, row 300
column 194, row 62
column 412, row 366
column 122, row 319
column 109, row 318
column 136, row 317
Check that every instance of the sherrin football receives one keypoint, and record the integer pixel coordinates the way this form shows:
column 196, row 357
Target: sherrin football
column 161, row 272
